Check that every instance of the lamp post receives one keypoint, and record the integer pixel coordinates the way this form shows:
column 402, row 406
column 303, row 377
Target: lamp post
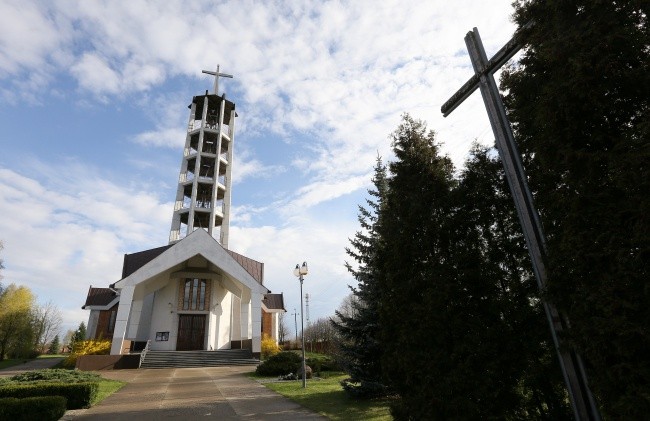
column 300, row 272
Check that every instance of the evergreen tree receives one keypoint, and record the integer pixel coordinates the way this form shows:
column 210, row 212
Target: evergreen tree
column 55, row 346
column 359, row 327
column 579, row 104
column 415, row 316
column 79, row 335
column 510, row 344
column 463, row 333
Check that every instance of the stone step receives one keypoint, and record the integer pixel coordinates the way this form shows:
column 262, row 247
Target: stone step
column 163, row 359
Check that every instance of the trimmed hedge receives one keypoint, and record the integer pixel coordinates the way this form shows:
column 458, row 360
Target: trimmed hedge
column 280, row 364
column 42, row 408
column 57, row 375
column 78, row 395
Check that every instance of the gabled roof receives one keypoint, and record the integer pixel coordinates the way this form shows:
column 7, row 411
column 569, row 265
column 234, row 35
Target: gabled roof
column 274, row 302
column 199, row 242
column 135, row 261
column 255, row 268
column 100, row 297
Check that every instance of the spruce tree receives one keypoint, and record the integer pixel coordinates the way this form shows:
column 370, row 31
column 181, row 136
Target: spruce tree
column 515, row 374
column 79, row 335
column 579, row 104
column 416, row 324
column 360, row 329
column 55, row 346
column 463, row 333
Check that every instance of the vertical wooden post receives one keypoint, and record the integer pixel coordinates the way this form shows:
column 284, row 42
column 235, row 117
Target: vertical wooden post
column 582, row 401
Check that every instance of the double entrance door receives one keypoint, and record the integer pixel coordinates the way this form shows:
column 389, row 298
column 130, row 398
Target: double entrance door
column 191, row 332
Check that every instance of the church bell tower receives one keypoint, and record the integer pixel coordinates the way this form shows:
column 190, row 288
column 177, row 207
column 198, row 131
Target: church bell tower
column 205, row 180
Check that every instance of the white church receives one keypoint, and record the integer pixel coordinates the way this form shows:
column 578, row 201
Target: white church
column 194, row 293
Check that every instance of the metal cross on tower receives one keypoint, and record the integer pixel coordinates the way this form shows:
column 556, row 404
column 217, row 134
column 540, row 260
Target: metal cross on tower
column 582, row 401
column 216, row 78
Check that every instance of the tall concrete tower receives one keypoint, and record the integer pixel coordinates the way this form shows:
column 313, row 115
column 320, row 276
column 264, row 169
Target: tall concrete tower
column 203, row 195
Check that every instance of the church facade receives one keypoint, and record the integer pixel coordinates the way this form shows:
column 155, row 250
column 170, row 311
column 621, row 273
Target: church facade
column 194, row 293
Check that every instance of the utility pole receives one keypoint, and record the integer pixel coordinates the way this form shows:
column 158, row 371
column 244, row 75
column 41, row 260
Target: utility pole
column 311, row 339
column 295, row 321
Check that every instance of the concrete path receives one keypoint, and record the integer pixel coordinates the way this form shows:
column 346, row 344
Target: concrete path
column 36, row 364
column 223, row 393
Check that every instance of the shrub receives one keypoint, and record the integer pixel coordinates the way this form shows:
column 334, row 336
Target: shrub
column 43, row 408
column 89, row 347
column 280, row 364
column 269, row 346
column 323, row 363
column 56, row 375
column 78, row 395
column 363, row 389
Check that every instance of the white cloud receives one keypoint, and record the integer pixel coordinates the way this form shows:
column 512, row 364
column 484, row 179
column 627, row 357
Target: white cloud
column 281, row 248
column 329, row 78
column 94, row 74
column 164, row 137
column 245, row 167
column 70, row 231
column 319, row 192
column 27, row 36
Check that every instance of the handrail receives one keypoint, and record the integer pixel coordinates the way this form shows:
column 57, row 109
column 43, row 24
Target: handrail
column 143, row 353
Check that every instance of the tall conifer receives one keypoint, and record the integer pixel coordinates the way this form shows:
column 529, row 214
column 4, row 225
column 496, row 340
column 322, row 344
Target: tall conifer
column 360, row 329
column 580, row 105
column 414, row 256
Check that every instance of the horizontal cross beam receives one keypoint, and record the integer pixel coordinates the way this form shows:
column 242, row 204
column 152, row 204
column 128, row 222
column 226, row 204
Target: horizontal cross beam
column 582, row 401
column 499, row 59
column 216, row 75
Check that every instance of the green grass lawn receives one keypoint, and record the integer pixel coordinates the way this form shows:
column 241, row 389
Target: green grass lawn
column 52, row 356
column 17, row 361
column 328, row 398
column 107, row 388
column 11, row 362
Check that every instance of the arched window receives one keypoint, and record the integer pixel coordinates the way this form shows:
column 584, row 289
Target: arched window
column 194, row 297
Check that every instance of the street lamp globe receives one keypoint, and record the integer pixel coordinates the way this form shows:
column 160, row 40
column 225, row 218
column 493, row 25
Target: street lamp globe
column 301, row 270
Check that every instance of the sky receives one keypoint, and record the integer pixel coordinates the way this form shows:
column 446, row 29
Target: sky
column 93, row 117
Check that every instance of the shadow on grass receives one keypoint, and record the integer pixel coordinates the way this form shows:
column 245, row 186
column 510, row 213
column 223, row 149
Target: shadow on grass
column 328, row 398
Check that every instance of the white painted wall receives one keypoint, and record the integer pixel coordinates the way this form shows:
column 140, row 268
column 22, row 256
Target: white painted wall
column 236, row 318
column 246, row 328
column 163, row 319
column 145, row 317
column 122, row 319
column 91, row 326
column 134, row 319
column 212, row 329
column 224, row 310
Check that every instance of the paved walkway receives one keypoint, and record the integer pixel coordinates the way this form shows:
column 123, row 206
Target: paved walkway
column 36, row 364
column 223, row 393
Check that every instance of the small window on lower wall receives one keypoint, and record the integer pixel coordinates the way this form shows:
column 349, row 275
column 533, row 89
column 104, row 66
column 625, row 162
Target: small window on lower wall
column 162, row 336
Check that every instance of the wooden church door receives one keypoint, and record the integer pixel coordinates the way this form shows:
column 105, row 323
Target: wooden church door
column 191, row 332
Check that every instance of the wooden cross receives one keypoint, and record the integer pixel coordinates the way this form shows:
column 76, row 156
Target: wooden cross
column 216, row 78
column 582, row 401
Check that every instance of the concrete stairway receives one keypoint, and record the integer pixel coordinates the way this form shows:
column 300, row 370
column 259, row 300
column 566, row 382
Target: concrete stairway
column 166, row 359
